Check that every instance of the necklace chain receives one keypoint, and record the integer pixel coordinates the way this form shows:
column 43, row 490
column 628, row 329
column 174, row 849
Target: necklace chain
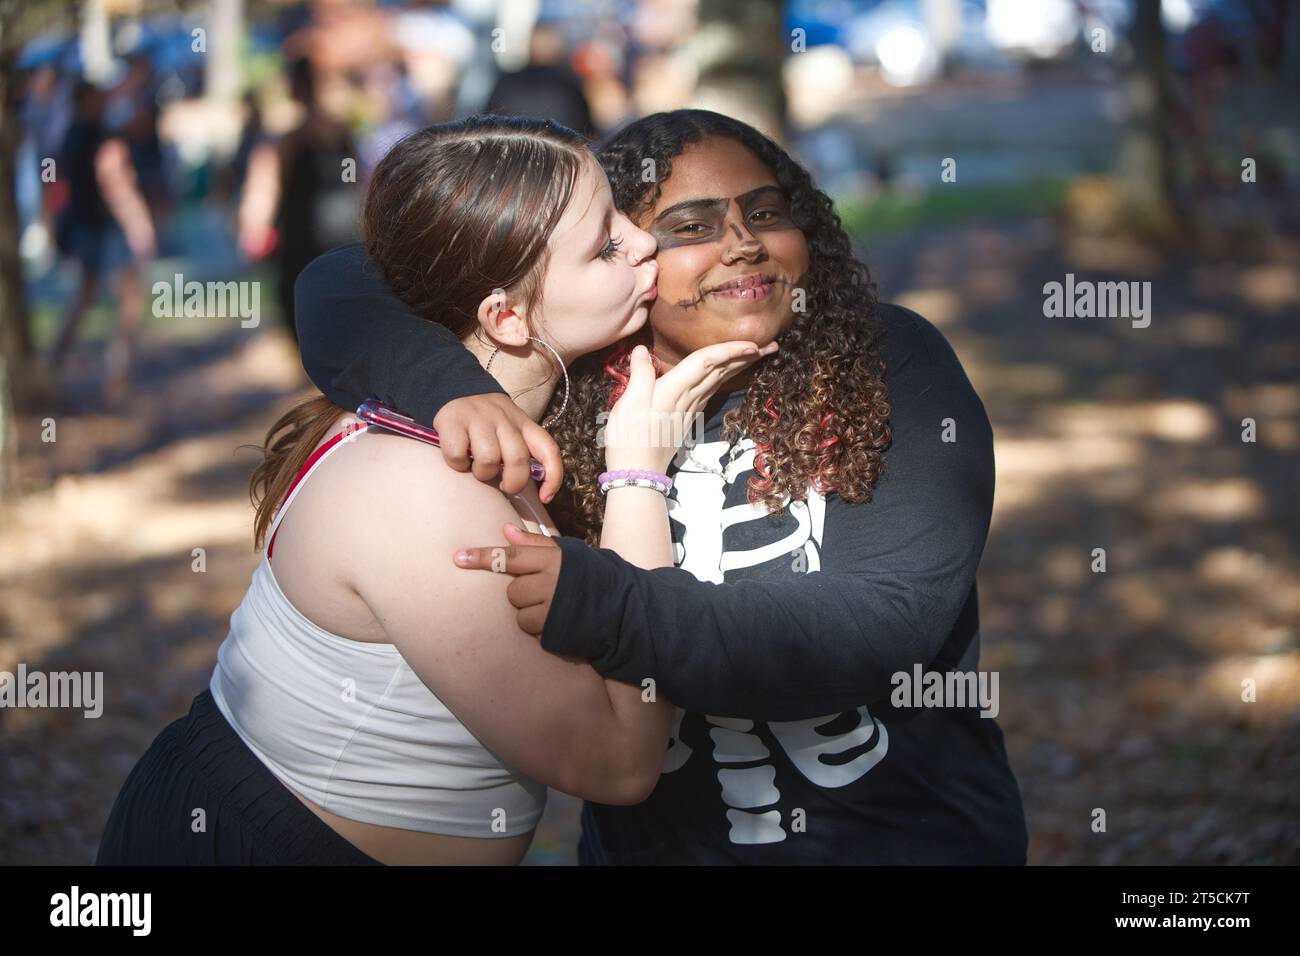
column 563, row 371
column 714, row 469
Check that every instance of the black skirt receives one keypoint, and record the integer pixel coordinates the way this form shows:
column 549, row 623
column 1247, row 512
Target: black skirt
column 200, row 797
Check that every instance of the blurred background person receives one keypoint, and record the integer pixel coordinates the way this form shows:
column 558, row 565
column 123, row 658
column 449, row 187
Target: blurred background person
column 45, row 114
column 546, row 86
column 107, row 227
column 132, row 112
column 300, row 195
column 393, row 109
column 252, row 132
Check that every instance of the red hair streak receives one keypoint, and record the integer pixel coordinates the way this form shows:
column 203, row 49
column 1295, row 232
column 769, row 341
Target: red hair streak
column 618, row 366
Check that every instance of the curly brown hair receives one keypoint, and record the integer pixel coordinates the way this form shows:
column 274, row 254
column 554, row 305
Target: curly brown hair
column 818, row 410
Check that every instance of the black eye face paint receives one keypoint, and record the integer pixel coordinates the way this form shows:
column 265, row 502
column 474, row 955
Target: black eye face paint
column 704, row 220
column 690, row 223
column 765, row 209
column 697, row 221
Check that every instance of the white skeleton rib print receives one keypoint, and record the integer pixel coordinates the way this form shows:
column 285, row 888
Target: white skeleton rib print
column 746, row 770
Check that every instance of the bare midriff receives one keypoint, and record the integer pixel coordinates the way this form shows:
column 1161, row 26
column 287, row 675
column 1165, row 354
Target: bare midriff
column 397, row 847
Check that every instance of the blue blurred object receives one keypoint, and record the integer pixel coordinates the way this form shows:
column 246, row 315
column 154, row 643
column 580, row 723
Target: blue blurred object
column 822, row 21
column 894, row 35
column 168, row 44
column 166, row 41
column 52, row 49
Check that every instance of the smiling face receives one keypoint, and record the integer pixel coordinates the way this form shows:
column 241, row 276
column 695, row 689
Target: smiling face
column 600, row 275
column 730, row 257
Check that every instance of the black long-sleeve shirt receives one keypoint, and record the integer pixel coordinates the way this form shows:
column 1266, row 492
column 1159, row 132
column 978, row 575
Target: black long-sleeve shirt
column 780, row 640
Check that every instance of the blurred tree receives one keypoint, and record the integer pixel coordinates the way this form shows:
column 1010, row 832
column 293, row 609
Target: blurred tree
column 21, row 379
column 1146, row 163
column 740, row 48
column 1291, row 47
column 226, row 26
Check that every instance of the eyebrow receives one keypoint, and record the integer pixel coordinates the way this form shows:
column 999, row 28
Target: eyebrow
column 713, row 203
column 753, row 193
column 700, row 204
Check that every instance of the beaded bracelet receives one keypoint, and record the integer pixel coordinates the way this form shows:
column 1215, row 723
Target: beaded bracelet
column 632, row 478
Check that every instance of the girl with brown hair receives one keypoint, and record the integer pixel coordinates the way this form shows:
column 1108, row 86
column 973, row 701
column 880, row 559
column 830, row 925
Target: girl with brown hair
column 371, row 703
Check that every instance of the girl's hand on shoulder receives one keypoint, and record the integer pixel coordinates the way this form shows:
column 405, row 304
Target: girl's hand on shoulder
column 534, row 560
column 493, row 436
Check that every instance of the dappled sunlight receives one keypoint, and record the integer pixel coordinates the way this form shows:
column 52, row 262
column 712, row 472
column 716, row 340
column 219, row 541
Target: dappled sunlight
column 1271, row 286
column 990, row 286
column 1034, row 382
column 85, row 553
column 940, row 306
column 127, row 515
column 1121, row 681
column 1110, row 254
column 1030, row 469
column 1233, row 499
column 1179, row 421
column 1204, row 329
column 1215, row 691
column 1277, row 399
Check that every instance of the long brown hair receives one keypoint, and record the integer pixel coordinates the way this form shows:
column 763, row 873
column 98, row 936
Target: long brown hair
column 818, row 410
column 452, row 212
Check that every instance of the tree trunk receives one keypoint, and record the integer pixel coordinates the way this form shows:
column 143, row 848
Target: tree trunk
column 741, row 48
column 23, row 382
column 222, row 78
column 13, row 306
column 1146, row 156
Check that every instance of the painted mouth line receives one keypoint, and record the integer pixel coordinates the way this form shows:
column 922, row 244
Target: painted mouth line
column 746, row 282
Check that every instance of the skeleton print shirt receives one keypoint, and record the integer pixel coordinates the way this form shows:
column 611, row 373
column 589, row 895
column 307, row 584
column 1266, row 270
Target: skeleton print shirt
column 779, row 639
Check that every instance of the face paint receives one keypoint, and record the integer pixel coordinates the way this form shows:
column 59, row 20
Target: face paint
column 696, row 307
column 704, row 220
column 688, row 223
column 765, row 209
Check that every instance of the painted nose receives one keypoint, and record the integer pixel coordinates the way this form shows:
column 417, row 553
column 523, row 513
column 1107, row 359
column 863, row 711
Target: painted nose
column 747, row 246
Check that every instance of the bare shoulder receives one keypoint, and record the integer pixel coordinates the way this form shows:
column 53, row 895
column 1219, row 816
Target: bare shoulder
column 398, row 486
column 402, row 510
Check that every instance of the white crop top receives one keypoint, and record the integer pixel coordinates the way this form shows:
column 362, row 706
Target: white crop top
column 350, row 726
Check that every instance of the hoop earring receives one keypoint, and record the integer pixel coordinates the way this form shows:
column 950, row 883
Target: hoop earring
column 564, row 371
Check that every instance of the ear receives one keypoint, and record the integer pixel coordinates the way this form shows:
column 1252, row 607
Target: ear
column 503, row 321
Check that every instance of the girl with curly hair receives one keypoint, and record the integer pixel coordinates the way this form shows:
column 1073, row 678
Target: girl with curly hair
column 827, row 524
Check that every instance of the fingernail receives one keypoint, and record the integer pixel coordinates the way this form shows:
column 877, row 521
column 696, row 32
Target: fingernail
column 462, row 556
